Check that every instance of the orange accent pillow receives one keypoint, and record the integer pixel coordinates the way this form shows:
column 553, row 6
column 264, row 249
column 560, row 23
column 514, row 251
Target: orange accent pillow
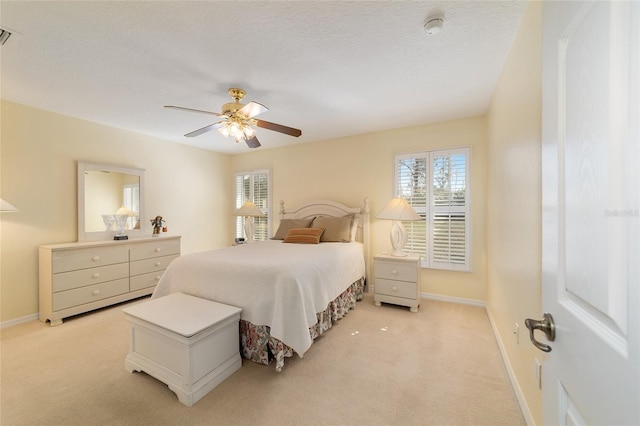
column 304, row 235
column 287, row 224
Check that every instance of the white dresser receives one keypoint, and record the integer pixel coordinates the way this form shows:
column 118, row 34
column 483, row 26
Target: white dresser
column 83, row 276
column 397, row 280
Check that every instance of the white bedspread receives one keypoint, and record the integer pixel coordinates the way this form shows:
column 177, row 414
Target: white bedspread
column 276, row 284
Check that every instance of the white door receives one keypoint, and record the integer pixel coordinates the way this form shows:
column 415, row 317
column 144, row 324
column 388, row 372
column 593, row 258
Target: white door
column 591, row 212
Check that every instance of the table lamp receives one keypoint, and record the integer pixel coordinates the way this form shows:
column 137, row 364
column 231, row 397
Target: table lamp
column 398, row 210
column 250, row 210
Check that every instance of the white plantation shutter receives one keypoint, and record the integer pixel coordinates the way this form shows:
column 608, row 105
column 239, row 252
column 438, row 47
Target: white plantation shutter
column 436, row 184
column 131, row 200
column 411, row 184
column 254, row 186
column 449, row 243
column 261, row 199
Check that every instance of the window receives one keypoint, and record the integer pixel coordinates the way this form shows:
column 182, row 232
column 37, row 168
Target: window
column 131, row 200
column 254, row 186
column 436, row 184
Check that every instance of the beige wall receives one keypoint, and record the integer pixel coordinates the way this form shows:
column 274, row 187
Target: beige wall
column 514, row 203
column 189, row 187
column 350, row 168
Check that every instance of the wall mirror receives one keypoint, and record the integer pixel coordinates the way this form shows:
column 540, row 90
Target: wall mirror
column 103, row 189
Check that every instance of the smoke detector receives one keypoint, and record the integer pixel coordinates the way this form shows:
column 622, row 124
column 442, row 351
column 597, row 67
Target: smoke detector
column 433, row 24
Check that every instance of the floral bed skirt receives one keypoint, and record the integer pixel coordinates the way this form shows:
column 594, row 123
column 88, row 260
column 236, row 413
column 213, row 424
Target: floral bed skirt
column 257, row 345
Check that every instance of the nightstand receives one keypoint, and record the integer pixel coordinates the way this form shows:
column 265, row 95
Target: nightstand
column 397, row 280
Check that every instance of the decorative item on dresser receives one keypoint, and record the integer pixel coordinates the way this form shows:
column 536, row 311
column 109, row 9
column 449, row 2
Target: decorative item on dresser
column 397, row 280
column 83, row 276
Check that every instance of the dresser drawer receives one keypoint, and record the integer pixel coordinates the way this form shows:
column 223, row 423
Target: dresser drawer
column 78, row 296
column 70, row 260
column 155, row 249
column 145, row 280
column 84, row 277
column 151, row 265
column 396, row 288
column 395, row 271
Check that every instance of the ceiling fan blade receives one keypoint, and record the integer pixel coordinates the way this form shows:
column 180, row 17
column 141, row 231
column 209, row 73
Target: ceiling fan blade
column 193, row 110
column 205, row 129
column 278, row 128
column 252, row 109
column 253, row 142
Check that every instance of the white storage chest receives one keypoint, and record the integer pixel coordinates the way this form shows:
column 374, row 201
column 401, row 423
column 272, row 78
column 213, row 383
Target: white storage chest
column 189, row 343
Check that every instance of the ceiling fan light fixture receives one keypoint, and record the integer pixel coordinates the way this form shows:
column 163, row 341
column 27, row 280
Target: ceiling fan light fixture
column 248, row 132
column 224, row 131
column 234, row 129
column 238, row 120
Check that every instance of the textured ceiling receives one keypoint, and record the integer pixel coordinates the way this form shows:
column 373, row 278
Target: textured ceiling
column 331, row 69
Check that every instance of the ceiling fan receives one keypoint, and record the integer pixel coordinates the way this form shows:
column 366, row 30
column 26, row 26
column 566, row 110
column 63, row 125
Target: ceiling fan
column 238, row 119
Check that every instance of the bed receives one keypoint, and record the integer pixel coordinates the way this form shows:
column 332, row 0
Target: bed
column 291, row 288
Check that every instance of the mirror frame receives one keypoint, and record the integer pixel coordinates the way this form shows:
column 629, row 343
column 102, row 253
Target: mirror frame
column 83, row 167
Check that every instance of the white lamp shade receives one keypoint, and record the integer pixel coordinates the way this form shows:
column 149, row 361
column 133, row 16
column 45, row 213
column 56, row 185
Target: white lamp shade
column 6, row 207
column 125, row 211
column 398, row 209
column 249, row 209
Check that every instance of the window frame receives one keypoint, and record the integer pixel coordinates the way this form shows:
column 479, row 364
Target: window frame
column 426, row 207
column 262, row 224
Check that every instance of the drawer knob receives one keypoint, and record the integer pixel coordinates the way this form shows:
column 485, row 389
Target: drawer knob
column 157, row 277
column 394, row 272
column 95, row 258
column 158, row 263
column 96, row 292
column 157, row 250
column 394, row 288
column 96, row 275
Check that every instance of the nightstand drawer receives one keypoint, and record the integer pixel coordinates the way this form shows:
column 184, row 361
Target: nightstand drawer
column 396, row 271
column 396, row 288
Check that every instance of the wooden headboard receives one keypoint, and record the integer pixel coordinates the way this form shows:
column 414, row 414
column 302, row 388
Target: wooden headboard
column 335, row 209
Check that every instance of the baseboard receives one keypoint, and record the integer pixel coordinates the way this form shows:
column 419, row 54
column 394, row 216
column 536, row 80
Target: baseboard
column 17, row 321
column 453, row 299
column 512, row 376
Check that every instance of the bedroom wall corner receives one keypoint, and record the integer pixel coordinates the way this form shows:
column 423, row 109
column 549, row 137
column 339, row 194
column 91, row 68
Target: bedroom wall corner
column 514, row 211
column 188, row 186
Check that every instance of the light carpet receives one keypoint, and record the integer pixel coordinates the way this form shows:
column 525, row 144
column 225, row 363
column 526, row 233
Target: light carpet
column 377, row 366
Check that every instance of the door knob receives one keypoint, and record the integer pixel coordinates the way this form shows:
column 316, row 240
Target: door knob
column 547, row 326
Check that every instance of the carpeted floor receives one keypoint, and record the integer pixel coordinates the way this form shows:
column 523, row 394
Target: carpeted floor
column 377, row 366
